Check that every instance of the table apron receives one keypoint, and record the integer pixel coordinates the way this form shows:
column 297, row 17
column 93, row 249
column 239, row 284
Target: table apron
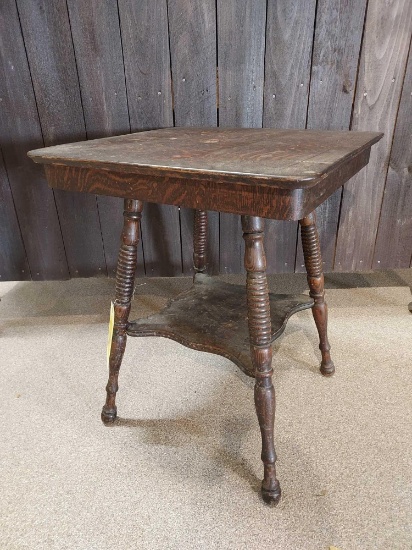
column 266, row 201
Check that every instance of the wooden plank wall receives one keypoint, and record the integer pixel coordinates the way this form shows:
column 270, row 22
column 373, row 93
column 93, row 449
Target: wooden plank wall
column 81, row 69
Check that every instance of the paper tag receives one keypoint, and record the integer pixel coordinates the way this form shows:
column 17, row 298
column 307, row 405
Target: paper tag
column 109, row 338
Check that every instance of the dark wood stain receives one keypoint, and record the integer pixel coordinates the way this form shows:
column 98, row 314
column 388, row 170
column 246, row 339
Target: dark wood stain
column 19, row 132
column 259, row 50
column 145, row 37
column 99, row 60
column 298, row 169
column 192, row 29
column 289, row 37
column 212, row 170
column 125, row 277
column 336, row 48
column 47, row 36
column 286, row 159
column 241, row 44
column 267, row 200
column 13, row 261
column 212, row 301
column 260, row 335
column 193, row 53
column 314, row 270
column 147, row 63
column 97, row 44
column 200, row 238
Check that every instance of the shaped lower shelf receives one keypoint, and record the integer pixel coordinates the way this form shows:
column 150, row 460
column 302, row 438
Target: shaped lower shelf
column 212, row 317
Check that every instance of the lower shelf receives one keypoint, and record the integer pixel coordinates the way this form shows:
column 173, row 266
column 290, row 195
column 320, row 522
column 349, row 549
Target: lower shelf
column 212, row 317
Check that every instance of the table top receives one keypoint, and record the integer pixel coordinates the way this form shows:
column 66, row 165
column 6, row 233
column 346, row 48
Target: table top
column 280, row 174
column 281, row 156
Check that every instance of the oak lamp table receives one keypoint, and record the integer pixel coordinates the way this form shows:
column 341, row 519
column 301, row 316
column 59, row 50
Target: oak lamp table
column 257, row 173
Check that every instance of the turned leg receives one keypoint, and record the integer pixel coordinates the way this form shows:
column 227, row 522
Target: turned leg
column 200, row 241
column 313, row 262
column 126, row 270
column 258, row 307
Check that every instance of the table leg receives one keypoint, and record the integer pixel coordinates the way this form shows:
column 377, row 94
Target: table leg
column 200, row 241
column 313, row 262
column 258, row 307
column 126, row 270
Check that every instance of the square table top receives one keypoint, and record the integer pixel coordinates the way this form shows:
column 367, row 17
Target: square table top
column 282, row 156
column 182, row 165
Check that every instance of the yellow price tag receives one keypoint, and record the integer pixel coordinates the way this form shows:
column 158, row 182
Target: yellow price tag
column 109, row 339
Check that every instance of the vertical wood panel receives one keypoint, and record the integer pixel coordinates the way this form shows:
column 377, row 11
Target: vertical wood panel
column 71, row 71
column 241, row 45
column 48, row 41
column 289, row 37
column 381, row 73
column 192, row 28
column 394, row 240
column 99, row 58
column 336, row 51
column 97, row 44
column 13, row 261
column 19, row 132
column 147, row 64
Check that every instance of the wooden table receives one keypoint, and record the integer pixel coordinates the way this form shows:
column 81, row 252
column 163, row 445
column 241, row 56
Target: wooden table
column 257, row 173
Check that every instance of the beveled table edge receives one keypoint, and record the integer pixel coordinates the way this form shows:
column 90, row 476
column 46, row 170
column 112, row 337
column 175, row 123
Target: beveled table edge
column 40, row 156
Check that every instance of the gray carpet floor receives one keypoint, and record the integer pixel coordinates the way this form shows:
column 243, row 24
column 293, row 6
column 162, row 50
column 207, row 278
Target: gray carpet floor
column 181, row 469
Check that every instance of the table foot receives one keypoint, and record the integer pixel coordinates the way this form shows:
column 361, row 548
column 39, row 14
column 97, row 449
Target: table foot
column 271, row 495
column 108, row 416
column 327, row 368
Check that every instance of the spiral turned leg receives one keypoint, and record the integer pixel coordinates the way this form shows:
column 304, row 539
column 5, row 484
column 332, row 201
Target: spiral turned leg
column 260, row 346
column 126, row 269
column 200, row 241
column 313, row 262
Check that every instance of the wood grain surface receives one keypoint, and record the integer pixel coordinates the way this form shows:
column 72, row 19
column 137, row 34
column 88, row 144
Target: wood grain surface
column 380, row 79
column 287, row 159
column 394, row 239
column 192, row 28
column 80, row 69
column 241, row 45
column 216, row 301
column 145, row 37
column 336, row 48
column 289, row 37
column 20, row 131
column 195, row 168
column 99, row 58
column 13, row 261
column 47, row 37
